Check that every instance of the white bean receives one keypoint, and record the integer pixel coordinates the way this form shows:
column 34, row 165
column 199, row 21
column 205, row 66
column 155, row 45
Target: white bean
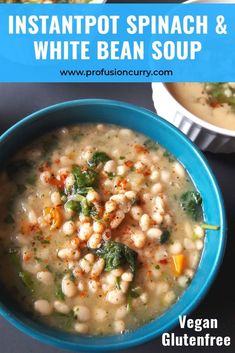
column 110, row 279
column 110, row 206
column 93, row 286
column 45, row 277
column 199, row 244
column 121, row 170
column 90, row 258
column 55, row 198
column 154, row 175
column 144, row 297
column 110, row 167
column 156, row 188
column 144, row 222
column 69, row 181
column 139, row 239
column 68, row 253
column 69, row 227
column 169, row 297
column 130, row 195
column 97, row 267
column 117, row 220
column 81, row 328
column 98, row 227
column 198, row 231
column 119, row 326
column 117, row 272
column 182, row 281
column 165, row 176
column 85, row 231
column 81, row 285
column 82, row 313
column 115, row 296
column 94, row 241
column 154, row 233
column 125, row 133
column 68, row 287
column 127, row 276
column 193, row 259
column 85, row 265
column 157, row 217
column 121, row 312
column 178, row 169
column 99, row 314
column 175, row 248
column 32, row 217
column 159, row 203
column 136, row 212
column 43, row 307
column 92, row 196
column 61, row 307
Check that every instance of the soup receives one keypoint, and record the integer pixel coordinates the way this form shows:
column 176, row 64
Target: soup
column 212, row 102
column 100, row 229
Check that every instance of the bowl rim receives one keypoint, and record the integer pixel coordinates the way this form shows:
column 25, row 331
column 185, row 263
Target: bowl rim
column 137, row 340
column 209, row 2
column 191, row 116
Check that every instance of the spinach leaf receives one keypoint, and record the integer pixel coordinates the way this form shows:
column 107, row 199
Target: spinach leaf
column 64, row 321
column 97, row 158
column 117, row 254
column 58, row 293
column 169, row 156
column 27, row 280
column 118, row 283
column 132, row 294
column 165, row 236
column 151, row 145
column 84, row 178
column 73, row 205
column 85, row 208
column 216, row 95
column 191, row 203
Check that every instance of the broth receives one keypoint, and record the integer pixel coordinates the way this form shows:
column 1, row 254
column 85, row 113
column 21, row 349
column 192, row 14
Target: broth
column 212, row 102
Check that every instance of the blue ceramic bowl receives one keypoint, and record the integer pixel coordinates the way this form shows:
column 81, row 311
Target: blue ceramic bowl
column 145, row 122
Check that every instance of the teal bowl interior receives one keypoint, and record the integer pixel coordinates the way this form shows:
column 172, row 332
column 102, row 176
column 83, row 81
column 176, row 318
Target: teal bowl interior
column 119, row 113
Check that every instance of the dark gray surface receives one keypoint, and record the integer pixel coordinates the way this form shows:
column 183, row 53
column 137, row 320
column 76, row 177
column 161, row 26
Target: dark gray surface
column 18, row 100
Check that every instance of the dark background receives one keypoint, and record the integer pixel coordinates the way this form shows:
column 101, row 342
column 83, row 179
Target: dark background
column 19, row 100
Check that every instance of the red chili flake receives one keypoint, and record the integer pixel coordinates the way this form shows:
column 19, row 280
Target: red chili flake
column 164, row 261
column 129, row 164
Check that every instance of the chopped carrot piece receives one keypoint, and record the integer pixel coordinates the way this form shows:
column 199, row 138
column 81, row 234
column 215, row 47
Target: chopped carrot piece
column 179, row 263
column 129, row 164
column 53, row 216
column 141, row 149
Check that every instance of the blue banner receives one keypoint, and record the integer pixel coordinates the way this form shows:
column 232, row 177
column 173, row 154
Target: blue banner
column 117, row 43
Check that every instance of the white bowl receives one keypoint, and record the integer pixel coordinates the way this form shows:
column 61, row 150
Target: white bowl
column 206, row 136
